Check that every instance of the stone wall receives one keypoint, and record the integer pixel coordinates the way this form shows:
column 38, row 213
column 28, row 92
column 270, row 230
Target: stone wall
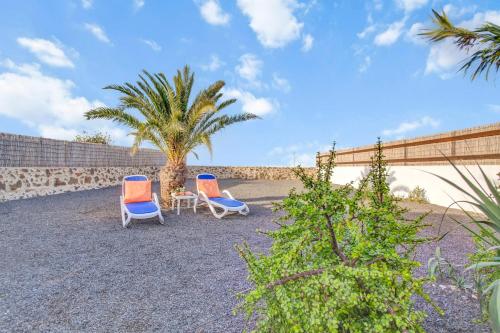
column 20, row 183
column 248, row 172
column 27, row 182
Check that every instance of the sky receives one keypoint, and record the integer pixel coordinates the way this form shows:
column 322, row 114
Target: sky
column 314, row 71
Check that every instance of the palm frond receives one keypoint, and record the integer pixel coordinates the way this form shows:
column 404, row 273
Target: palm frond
column 225, row 121
column 167, row 120
column 115, row 114
column 485, row 40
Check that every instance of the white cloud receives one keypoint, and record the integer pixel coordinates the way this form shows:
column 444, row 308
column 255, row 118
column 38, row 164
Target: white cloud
column 257, row 105
column 57, row 132
column 48, row 104
column 306, row 7
column 152, row 44
column 410, row 5
column 492, row 16
column 391, row 35
column 367, row 62
column 281, row 83
column 494, row 107
column 370, row 28
column 303, row 154
column 97, row 31
column 138, row 4
column 87, row 4
column 412, row 35
column 214, row 64
column 378, row 4
column 46, row 51
column 457, row 12
column 367, row 31
column 212, row 12
column 444, row 57
column 250, row 67
column 406, row 127
column 304, row 159
column 307, row 42
column 35, row 98
column 273, row 20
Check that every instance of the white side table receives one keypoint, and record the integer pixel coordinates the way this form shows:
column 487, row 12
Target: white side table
column 188, row 196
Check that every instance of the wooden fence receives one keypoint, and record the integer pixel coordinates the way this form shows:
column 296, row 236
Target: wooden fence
column 468, row 146
column 28, row 151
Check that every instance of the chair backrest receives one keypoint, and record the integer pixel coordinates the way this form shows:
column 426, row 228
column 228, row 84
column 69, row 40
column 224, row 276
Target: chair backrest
column 132, row 178
column 135, row 178
column 207, row 183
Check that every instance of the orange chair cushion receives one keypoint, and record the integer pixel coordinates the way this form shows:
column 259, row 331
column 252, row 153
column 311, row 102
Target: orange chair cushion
column 209, row 187
column 137, row 191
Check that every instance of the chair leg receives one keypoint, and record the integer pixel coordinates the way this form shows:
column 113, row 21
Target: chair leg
column 221, row 215
column 122, row 211
column 245, row 210
column 127, row 221
column 160, row 216
column 212, row 209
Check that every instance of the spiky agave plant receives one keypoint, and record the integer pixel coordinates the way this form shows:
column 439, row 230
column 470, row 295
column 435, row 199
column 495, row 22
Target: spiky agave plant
column 169, row 121
column 485, row 40
column 486, row 234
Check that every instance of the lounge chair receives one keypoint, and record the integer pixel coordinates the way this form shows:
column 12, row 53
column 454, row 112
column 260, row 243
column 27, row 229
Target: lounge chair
column 208, row 193
column 137, row 201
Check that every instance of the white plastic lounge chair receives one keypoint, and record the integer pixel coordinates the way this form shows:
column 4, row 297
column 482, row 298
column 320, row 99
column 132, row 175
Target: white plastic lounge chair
column 138, row 210
column 208, row 193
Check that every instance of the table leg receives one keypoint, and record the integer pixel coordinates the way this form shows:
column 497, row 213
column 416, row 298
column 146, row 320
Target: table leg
column 178, row 206
column 173, row 203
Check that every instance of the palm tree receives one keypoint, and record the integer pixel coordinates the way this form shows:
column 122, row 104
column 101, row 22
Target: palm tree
column 169, row 121
column 485, row 39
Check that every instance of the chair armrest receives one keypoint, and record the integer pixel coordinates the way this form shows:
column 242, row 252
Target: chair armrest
column 226, row 192
column 203, row 195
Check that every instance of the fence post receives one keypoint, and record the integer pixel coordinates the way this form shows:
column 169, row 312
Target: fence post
column 405, row 153
column 453, row 144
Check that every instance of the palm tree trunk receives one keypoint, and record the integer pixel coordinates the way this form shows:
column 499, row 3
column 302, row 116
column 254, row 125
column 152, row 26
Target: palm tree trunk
column 172, row 176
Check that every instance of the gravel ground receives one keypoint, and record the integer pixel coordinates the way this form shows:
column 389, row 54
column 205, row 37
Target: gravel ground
column 68, row 265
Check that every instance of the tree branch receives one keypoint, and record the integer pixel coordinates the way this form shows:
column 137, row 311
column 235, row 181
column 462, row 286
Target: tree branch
column 333, row 239
column 294, row 277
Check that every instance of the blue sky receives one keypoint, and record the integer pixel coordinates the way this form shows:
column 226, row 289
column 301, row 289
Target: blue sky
column 316, row 71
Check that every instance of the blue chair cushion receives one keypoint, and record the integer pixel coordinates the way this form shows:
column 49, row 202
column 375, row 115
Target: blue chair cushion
column 136, row 178
column 141, row 207
column 227, row 202
column 205, row 176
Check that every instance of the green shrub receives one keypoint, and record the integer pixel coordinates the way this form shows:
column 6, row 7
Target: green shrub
column 485, row 230
column 439, row 267
column 418, row 195
column 341, row 260
column 98, row 137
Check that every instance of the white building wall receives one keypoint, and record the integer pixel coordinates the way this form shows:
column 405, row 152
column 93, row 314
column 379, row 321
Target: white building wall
column 405, row 178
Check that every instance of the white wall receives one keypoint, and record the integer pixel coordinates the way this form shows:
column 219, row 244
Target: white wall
column 405, row 178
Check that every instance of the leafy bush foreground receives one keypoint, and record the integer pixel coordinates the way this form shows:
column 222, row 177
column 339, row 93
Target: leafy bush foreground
column 341, row 260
